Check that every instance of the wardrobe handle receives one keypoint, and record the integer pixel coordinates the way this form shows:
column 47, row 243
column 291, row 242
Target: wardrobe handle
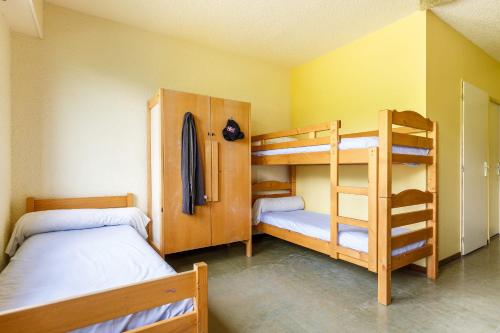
column 215, row 171
column 208, row 171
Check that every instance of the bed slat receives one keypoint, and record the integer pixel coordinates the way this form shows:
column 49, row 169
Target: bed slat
column 411, row 141
column 293, row 159
column 271, row 186
column 292, row 132
column 183, row 323
column 411, row 119
column 296, row 238
column 411, row 197
column 79, row 203
column 73, row 313
column 399, row 220
column 352, row 222
column 411, row 159
column 293, row 144
column 353, row 260
column 353, row 253
column 352, row 190
column 411, row 237
column 411, row 256
column 353, row 156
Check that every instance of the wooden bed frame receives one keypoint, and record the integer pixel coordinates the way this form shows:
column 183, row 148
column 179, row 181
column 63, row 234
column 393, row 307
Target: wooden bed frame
column 78, row 312
column 404, row 128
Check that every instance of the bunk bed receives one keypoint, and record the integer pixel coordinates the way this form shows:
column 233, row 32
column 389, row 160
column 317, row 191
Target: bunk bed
column 72, row 274
column 404, row 137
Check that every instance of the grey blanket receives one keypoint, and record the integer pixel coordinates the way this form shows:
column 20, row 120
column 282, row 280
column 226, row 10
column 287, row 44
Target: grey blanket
column 193, row 185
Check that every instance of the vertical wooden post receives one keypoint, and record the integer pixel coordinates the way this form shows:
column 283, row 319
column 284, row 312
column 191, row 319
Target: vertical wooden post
column 432, row 261
column 201, row 298
column 384, row 209
column 372, row 208
column 293, row 176
column 334, row 182
column 130, row 200
column 30, row 205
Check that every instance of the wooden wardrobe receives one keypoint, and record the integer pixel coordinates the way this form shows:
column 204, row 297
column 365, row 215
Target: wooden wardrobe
column 226, row 217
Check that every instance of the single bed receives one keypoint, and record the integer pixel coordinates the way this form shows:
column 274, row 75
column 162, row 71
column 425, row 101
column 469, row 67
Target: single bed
column 58, row 265
column 345, row 144
column 317, row 225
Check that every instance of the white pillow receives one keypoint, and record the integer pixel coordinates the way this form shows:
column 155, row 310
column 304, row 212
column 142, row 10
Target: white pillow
column 282, row 204
column 74, row 219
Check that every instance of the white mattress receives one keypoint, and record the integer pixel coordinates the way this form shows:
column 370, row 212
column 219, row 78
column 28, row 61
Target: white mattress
column 317, row 225
column 56, row 265
column 345, row 144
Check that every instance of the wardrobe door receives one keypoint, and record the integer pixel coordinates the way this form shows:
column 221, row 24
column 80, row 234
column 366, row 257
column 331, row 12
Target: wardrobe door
column 231, row 191
column 184, row 232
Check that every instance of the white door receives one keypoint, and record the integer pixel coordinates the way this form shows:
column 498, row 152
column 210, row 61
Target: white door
column 474, row 168
column 493, row 140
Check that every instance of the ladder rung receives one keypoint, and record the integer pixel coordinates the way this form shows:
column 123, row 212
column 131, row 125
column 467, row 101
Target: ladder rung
column 353, row 222
column 352, row 190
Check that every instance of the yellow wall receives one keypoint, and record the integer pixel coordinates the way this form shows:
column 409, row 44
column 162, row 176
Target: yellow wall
column 79, row 101
column 452, row 58
column 385, row 69
column 5, row 135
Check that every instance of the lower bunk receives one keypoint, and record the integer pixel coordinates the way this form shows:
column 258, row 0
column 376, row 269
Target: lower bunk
column 291, row 222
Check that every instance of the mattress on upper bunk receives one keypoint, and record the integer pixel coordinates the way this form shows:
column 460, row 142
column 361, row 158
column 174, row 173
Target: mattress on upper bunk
column 317, row 225
column 55, row 265
column 345, row 144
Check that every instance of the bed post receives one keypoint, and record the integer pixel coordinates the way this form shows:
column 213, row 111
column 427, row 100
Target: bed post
column 372, row 208
column 334, row 182
column 385, row 211
column 293, row 176
column 201, row 297
column 30, row 205
column 432, row 261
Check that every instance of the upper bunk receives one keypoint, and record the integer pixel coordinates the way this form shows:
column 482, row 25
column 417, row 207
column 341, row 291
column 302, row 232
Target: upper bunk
column 411, row 136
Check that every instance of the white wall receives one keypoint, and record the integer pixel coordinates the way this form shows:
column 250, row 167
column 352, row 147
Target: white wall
column 79, row 96
column 5, row 136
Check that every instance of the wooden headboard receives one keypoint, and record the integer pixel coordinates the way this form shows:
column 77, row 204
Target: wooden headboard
column 284, row 189
column 277, row 189
column 33, row 205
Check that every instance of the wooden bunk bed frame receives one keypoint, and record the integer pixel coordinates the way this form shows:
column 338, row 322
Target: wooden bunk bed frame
column 403, row 128
column 78, row 312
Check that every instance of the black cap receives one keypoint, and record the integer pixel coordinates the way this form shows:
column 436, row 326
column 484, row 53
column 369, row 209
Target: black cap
column 232, row 131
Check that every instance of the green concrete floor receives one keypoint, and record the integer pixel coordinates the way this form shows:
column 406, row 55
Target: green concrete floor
column 286, row 288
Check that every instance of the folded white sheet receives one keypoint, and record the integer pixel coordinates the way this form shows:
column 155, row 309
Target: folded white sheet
column 74, row 219
column 284, row 204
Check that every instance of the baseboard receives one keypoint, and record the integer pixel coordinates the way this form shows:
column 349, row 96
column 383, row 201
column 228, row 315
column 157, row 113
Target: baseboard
column 442, row 262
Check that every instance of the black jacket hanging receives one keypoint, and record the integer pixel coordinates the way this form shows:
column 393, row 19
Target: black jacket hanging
column 193, row 184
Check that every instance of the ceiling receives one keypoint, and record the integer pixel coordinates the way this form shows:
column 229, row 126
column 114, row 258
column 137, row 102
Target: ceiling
column 288, row 32
column 23, row 15
column 478, row 20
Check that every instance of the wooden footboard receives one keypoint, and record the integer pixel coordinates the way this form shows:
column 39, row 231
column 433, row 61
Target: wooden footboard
column 79, row 312
column 411, row 197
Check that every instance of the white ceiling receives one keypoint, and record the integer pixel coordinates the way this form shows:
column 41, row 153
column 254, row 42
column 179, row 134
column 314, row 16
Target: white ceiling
column 478, row 20
column 284, row 31
column 287, row 31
